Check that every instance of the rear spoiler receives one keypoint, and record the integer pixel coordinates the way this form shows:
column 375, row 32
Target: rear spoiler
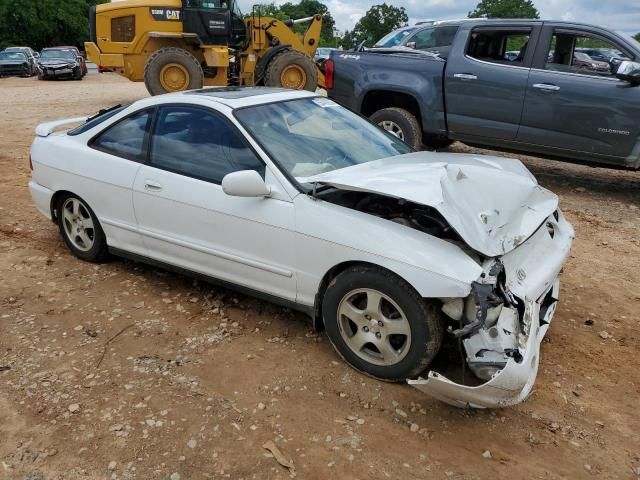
column 45, row 129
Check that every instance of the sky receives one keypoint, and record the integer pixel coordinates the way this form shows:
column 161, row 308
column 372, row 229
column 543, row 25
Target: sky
column 623, row 15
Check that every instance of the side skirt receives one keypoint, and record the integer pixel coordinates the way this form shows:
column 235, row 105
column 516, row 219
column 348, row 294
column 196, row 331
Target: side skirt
column 306, row 309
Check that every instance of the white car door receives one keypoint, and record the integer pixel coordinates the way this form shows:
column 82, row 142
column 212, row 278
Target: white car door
column 186, row 219
column 105, row 173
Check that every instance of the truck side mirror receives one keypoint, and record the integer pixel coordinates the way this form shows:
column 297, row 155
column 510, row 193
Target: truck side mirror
column 629, row 72
column 411, row 45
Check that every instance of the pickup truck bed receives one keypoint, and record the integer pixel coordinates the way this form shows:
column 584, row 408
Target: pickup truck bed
column 516, row 85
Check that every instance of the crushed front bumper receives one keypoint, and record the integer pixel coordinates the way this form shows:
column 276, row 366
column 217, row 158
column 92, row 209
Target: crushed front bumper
column 532, row 272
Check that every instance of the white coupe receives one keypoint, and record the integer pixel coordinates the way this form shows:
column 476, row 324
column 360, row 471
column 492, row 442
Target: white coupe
column 288, row 196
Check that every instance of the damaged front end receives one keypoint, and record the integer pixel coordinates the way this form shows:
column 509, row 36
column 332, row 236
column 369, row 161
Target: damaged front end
column 501, row 324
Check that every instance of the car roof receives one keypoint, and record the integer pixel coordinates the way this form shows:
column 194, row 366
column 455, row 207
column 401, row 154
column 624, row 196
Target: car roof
column 238, row 97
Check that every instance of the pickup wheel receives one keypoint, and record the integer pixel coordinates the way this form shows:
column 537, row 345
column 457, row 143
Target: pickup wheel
column 380, row 325
column 400, row 123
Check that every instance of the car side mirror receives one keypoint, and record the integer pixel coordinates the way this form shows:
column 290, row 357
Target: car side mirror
column 411, row 45
column 245, row 183
column 629, row 72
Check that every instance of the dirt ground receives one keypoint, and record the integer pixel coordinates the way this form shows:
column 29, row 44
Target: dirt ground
column 125, row 371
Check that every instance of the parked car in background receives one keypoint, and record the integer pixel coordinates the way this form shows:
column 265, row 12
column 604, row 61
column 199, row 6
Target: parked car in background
column 511, row 55
column 30, row 55
column 608, row 55
column 542, row 102
column 582, row 60
column 384, row 247
column 434, row 37
column 16, row 64
column 60, row 62
column 81, row 59
column 322, row 53
column 395, row 38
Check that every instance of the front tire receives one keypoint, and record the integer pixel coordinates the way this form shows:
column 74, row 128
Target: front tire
column 291, row 69
column 80, row 229
column 380, row 325
column 172, row 69
column 400, row 123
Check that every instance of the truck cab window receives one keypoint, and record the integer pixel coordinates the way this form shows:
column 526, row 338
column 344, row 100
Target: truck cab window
column 205, row 4
column 583, row 54
column 434, row 37
column 499, row 46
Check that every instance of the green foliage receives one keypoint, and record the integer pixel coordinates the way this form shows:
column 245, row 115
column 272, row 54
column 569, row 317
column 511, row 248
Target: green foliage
column 505, row 9
column 637, row 36
column 304, row 9
column 375, row 24
column 44, row 23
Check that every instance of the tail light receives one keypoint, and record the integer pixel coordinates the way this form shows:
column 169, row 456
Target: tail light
column 30, row 163
column 328, row 74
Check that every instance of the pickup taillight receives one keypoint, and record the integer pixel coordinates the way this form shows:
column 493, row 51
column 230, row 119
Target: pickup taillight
column 328, row 74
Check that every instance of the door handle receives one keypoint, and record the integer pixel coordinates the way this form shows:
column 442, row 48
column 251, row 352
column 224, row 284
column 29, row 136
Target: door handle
column 549, row 87
column 153, row 186
column 465, row 76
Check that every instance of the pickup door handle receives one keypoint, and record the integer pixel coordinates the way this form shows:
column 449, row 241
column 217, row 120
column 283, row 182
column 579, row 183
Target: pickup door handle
column 153, row 186
column 465, row 76
column 549, row 87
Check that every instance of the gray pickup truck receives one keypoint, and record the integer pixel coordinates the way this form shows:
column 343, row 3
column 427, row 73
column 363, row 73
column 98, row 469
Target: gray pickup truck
column 516, row 85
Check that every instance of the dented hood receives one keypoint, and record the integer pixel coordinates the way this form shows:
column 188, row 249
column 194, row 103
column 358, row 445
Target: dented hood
column 493, row 203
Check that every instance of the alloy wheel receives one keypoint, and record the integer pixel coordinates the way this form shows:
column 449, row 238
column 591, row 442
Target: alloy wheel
column 374, row 327
column 78, row 224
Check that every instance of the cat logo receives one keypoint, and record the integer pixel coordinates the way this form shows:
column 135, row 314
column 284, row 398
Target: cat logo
column 166, row 14
column 173, row 14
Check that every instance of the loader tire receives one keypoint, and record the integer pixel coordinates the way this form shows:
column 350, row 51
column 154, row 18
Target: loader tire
column 291, row 69
column 172, row 69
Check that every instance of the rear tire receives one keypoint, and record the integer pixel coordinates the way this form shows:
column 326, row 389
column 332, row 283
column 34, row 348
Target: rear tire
column 80, row 229
column 172, row 69
column 380, row 325
column 291, row 69
column 400, row 123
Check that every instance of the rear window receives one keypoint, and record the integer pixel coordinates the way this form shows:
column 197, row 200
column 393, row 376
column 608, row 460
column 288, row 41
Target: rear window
column 96, row 119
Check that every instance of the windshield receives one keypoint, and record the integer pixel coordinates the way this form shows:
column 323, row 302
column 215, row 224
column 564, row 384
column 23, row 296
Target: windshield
column 310, row 136
column 66, row 54
column 12, row 56
column 394, row 38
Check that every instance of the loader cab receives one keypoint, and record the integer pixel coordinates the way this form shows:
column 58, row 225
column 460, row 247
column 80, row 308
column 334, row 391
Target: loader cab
column 216, row 22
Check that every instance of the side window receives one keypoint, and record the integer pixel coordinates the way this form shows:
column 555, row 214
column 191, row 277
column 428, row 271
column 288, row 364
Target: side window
column 499, row 46
column 434, row 37
column 425, row 38
column 127, row 137
column 585, row 54
column 198, row 143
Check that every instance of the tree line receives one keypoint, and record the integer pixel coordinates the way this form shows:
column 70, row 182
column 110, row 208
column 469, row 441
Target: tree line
column 42, row 23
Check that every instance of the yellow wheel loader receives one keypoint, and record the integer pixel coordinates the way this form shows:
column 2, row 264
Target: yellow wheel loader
column 175, row 45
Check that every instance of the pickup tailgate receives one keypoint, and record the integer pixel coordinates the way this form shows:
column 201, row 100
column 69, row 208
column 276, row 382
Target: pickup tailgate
column 364, row 81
